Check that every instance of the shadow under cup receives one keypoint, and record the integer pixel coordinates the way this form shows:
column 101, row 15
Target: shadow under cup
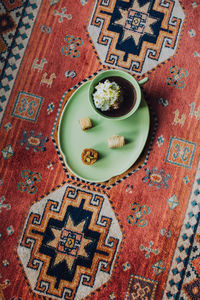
column 131, row 94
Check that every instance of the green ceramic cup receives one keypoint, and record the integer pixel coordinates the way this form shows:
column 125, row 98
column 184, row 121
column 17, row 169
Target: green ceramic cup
column 111, row 73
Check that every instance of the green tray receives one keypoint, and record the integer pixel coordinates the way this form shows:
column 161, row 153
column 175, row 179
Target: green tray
column 72, row 139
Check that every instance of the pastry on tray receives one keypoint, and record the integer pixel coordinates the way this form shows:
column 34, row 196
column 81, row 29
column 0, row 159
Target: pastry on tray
column 116, row 141
column 89, row 156
column 85, row 123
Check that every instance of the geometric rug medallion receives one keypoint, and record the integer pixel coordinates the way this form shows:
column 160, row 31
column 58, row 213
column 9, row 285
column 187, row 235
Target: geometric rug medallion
column 136, row 35
column 69, row 243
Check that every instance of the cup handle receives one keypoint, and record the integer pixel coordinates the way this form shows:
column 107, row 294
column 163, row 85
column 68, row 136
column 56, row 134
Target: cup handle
column 143, row 81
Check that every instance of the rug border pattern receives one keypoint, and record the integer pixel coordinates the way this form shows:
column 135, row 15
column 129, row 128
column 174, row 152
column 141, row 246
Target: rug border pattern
column 184, row 244
column 4, row 78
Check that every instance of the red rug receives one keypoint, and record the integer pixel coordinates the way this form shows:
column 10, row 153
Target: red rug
column 137, row 235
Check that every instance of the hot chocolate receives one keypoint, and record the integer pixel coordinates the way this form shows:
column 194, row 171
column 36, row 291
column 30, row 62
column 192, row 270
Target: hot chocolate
column 128, row 94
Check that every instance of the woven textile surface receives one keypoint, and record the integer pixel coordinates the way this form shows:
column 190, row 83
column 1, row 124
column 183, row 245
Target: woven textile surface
column 136, row 235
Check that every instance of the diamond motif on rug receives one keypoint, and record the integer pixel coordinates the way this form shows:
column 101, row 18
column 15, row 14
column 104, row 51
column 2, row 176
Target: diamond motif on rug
column 192, row 290
column 13, row 4
column 69, row 243
column 6, row 23
column 196, row 265
column 27, row 106
column 135, row 36
column 141, row 288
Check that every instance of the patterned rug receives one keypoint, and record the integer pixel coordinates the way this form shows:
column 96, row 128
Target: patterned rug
column 137, row 235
